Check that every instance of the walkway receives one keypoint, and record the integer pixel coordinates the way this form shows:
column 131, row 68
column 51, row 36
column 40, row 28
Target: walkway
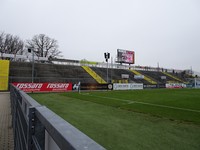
column 6, row 132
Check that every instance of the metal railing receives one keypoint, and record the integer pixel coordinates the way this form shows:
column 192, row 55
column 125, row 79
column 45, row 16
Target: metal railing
column 36, row 127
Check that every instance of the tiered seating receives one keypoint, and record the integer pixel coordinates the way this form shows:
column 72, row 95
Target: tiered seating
column 74, row 74
column 94, row 75
column 46, row 70
column 115, row 74
column 154, row 75
column 157, row 76
column 176, row 77
column 148, row 79
column 22, row 72
column 102, row 72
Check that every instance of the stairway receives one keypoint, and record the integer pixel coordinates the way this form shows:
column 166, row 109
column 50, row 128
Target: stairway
column 94, row 75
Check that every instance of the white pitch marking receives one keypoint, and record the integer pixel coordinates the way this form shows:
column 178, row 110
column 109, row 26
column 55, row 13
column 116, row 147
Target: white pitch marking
column 144, row 103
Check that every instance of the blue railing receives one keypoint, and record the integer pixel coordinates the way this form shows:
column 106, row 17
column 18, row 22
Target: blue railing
column 38, row 128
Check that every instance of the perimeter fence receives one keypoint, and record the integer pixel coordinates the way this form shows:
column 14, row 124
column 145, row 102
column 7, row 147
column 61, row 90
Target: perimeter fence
column 36, row 127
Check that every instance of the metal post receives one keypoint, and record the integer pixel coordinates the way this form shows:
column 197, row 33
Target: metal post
column 30, row 127
column 32, row 65
column 107, row 71
column 111, row 69
column 107, row 56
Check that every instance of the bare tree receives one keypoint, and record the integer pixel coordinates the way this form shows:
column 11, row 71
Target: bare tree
column 10, row 44
column 44, row 46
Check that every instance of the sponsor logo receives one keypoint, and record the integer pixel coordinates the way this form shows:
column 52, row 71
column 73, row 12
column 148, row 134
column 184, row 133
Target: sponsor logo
column 57, row 85
column 77, row 86
column 29, row 85
column 150, row 86
column 110, row 86
column 128, row 86
column 43, row 87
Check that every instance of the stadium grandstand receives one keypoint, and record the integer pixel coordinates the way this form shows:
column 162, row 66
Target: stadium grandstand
column 32, row 123
column 39, row 69
column 61, row 70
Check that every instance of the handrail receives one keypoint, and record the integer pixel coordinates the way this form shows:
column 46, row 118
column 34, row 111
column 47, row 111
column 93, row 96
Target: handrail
column 63, row 133
column 33, row 124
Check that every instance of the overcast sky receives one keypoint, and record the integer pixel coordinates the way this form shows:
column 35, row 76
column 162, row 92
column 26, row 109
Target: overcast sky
column 159, row 31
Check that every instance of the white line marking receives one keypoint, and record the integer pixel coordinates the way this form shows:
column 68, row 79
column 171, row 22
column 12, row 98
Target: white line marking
column 144, row 103
column 84, row 93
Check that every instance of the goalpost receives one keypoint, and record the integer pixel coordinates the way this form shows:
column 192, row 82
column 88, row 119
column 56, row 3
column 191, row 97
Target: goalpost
column 193, row 82
column 196, row 82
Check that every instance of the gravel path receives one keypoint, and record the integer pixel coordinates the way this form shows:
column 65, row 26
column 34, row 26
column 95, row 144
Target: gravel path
column 6, row 131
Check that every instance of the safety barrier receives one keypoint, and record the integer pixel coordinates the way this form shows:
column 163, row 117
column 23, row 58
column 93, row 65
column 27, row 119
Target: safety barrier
column 38, row 128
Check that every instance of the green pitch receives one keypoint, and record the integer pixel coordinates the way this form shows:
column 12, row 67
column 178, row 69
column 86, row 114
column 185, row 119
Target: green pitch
column 140, row 119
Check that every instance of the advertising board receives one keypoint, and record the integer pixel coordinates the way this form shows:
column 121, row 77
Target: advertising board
column 125, row 76
column 163, row 77
column 90, row 86
column 127, row 86
column 44, row 87
column 138, row 76
column 153, row 86
column 175, row 85
column 125, row 56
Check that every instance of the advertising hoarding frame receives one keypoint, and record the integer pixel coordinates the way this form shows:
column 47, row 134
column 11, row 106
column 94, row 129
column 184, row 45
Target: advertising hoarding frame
column 94, row 86
column 154, row 86
column 128, row 86
column 43, row 87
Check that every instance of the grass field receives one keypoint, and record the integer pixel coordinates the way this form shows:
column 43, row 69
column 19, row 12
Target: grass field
column 127, row 120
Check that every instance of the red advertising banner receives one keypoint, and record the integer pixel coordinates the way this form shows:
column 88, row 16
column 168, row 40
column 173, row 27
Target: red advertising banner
column 44, row 87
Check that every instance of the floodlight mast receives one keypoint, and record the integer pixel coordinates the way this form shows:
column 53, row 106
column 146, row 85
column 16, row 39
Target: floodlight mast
column 30, row 50
column 107, row 56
